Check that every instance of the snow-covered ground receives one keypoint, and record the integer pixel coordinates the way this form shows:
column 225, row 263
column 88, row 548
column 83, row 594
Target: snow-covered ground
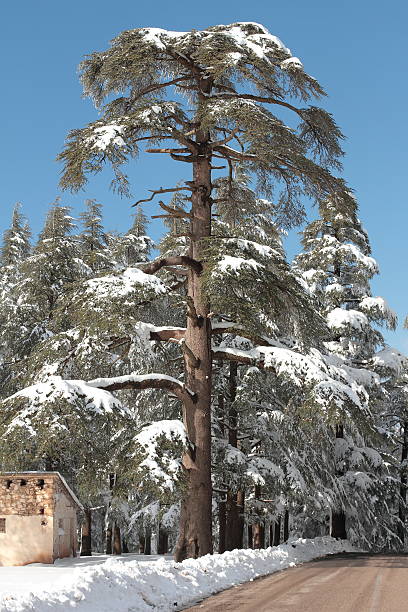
column 133, row 583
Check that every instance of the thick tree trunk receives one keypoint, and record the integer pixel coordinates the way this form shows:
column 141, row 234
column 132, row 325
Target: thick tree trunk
column 338, row 519
column 222, row 509
column 148, row 543
column 241, row 521
column 234, row 531
column 86, row 533
column 286, row 526
column 142, row 544
column 125, row 548
column 250, row 540
column 108, row 522
column 258, row 529
column 163, row 545
column 195, row 534
column 234, row 522
column 109, row 536
column 403, row 484
column 258, row 537
column 221, row 526
column 277, row 532
column 117, row 543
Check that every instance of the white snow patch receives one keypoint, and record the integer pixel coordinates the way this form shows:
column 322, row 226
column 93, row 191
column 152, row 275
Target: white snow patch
column 153, row 585
column 132, row 378
column 234, row 264
column 341, row 319
column 390, row 359
column 291, row 62
column 57, row 389
column 122, row 285
column 107, row 135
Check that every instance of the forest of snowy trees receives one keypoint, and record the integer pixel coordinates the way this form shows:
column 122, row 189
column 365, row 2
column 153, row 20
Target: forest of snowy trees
column 204, row 393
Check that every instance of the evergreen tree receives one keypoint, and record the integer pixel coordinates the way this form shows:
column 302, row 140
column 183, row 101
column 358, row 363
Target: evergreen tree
column 15, row 249
column 33, row 299
column 392, row 366
column 134, row 246
column 337, row 266
column 142, row 66
column 92, row 239
column 16, row 240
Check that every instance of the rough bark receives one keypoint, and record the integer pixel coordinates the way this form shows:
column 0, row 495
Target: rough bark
column 108, row 522
column 258, row 528
column 147, row 543
column 258, row 537
column 108, row 538
column 234, row 524
column 403, row 484
column 163, row 545
column 117, row 543
column 241, row 521
column 250, row 540
column 277, row 532
column 338, row 519
column 142, row 544
column 86, row 533
column 286, row 526
column 222, row 515
column 195, row 534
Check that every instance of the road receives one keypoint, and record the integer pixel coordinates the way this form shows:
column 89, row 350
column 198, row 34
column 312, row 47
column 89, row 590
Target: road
column 342, row 583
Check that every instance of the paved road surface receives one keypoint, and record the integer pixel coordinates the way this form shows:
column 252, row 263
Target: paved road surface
column 342, row 583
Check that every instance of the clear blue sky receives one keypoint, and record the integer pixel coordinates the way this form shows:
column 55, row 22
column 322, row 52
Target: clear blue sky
column 355, row 48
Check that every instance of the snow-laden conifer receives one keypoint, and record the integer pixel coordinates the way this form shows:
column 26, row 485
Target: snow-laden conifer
column 92, row 239
column 337, row 266
column 201, row 97
column 16, row 240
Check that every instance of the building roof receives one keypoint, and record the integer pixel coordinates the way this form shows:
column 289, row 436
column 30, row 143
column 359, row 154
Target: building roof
column 37, row 473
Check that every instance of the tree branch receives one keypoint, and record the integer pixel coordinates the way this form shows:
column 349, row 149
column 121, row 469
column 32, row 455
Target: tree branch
column 179, row 260
column 144, row 381
column 184, row 150
column 176, row 211
column 264, row 99
column 157, row 86
column 227, row 139
column 155, row 192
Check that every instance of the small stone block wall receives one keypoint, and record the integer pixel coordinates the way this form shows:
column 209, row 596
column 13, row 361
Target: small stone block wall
column 27, row 495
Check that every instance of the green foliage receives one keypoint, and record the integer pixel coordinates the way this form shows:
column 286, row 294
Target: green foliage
column 16, row 240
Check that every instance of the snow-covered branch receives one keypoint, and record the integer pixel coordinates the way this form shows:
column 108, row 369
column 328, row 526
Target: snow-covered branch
column 180, row 260
column 142, row 381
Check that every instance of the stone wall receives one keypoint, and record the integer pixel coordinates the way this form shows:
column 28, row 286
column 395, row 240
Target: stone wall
column 28, row 494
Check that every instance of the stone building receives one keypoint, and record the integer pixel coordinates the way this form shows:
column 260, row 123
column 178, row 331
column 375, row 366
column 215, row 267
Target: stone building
column 38, row 518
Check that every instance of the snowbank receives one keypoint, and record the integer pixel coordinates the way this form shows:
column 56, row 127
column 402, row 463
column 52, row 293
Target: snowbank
column 163, row 584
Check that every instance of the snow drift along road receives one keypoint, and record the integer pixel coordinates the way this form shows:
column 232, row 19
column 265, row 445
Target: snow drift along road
column 163, row 584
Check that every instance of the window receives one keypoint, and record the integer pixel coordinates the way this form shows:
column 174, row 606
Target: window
column 42, row 510
column 23, row 482
column 60, row 523
column 8, row 483
column 40, row 483
column 2, row 525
